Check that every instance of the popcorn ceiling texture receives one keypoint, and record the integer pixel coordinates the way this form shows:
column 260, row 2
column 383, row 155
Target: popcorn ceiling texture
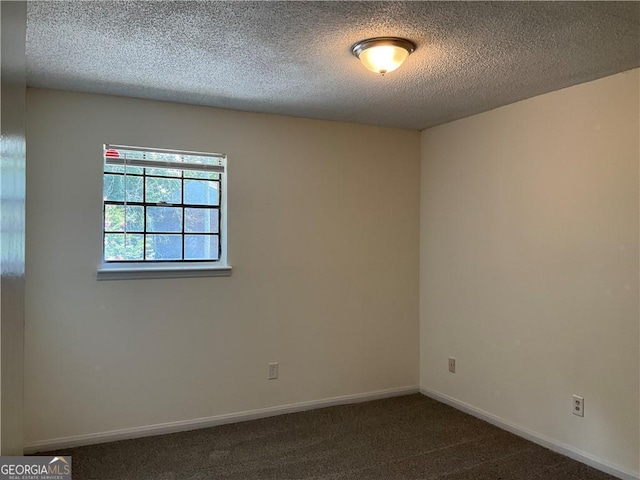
column 294, row 58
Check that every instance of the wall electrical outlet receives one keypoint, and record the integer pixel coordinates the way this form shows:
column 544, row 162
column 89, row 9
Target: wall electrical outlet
column 273, row 371
column 578, row 405
column 452, row 365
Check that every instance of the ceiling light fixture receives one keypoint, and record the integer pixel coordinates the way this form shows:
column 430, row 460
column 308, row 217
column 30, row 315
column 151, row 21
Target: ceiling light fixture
column 383, row 54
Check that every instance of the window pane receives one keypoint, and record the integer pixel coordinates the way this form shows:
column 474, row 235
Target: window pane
column 115, row 217
column 202, row 160
column 134, row 189
column 164, row 247
column 196, row 174
column 164, row 172
column 201, row 192
column 131, row 154
column 114, row 188
column 164, row 219
column 159, row 212
column 114, row 168
column 120, row 169
column 163, row 157
column 201, row 220
column 201, row 247
column 121, row 247
column 167, row 190
column 134, row 170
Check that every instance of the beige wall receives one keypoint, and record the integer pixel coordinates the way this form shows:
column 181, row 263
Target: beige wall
column 323, row 238
column 528, row 249
column 529, row 264
column 12, row 224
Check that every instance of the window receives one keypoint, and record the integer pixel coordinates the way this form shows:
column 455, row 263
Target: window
column 164, row 213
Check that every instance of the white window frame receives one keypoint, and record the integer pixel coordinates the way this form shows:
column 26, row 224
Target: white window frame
column 177, row 269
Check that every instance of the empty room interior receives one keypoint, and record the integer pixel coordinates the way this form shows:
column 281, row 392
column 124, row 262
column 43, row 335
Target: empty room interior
column 321, row 240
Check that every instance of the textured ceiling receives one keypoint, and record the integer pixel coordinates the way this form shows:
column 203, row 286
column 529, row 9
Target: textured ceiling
column 294, row 58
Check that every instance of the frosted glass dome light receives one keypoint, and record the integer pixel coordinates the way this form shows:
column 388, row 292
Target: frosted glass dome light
column 383, row 54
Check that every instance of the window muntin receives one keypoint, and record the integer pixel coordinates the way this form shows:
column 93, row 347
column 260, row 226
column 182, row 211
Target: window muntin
column 163, row 206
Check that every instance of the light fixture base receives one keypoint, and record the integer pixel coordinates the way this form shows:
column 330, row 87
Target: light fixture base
column 362, row 45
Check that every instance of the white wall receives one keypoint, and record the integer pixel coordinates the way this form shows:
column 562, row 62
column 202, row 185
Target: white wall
column 529, row 264
column 323, row 238
column 12, row 224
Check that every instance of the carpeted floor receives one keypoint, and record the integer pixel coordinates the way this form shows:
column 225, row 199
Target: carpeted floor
column 410, row 437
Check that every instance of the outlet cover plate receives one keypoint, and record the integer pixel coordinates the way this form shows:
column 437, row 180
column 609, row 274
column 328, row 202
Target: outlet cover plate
column 273, row 371
column 578, row 405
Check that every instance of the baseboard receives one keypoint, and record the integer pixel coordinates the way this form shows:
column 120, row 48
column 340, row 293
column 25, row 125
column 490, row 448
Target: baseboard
column 194, row 424
column 551, row 444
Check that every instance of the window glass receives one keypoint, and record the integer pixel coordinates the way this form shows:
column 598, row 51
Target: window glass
column 201, row 220
column 167, row 190
column 163, row 247
column 201, row 192
column 156, row 211
column 201, row 247
column 123, row 247
column 164, row 219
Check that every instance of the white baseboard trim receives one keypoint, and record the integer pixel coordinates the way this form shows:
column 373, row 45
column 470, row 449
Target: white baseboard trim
column 194, row 424
column 550, row 443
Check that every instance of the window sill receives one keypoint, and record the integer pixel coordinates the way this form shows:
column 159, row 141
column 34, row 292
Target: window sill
column 183, row 270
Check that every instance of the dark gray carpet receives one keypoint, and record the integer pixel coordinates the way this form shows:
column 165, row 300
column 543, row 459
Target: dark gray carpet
column 410, row 437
